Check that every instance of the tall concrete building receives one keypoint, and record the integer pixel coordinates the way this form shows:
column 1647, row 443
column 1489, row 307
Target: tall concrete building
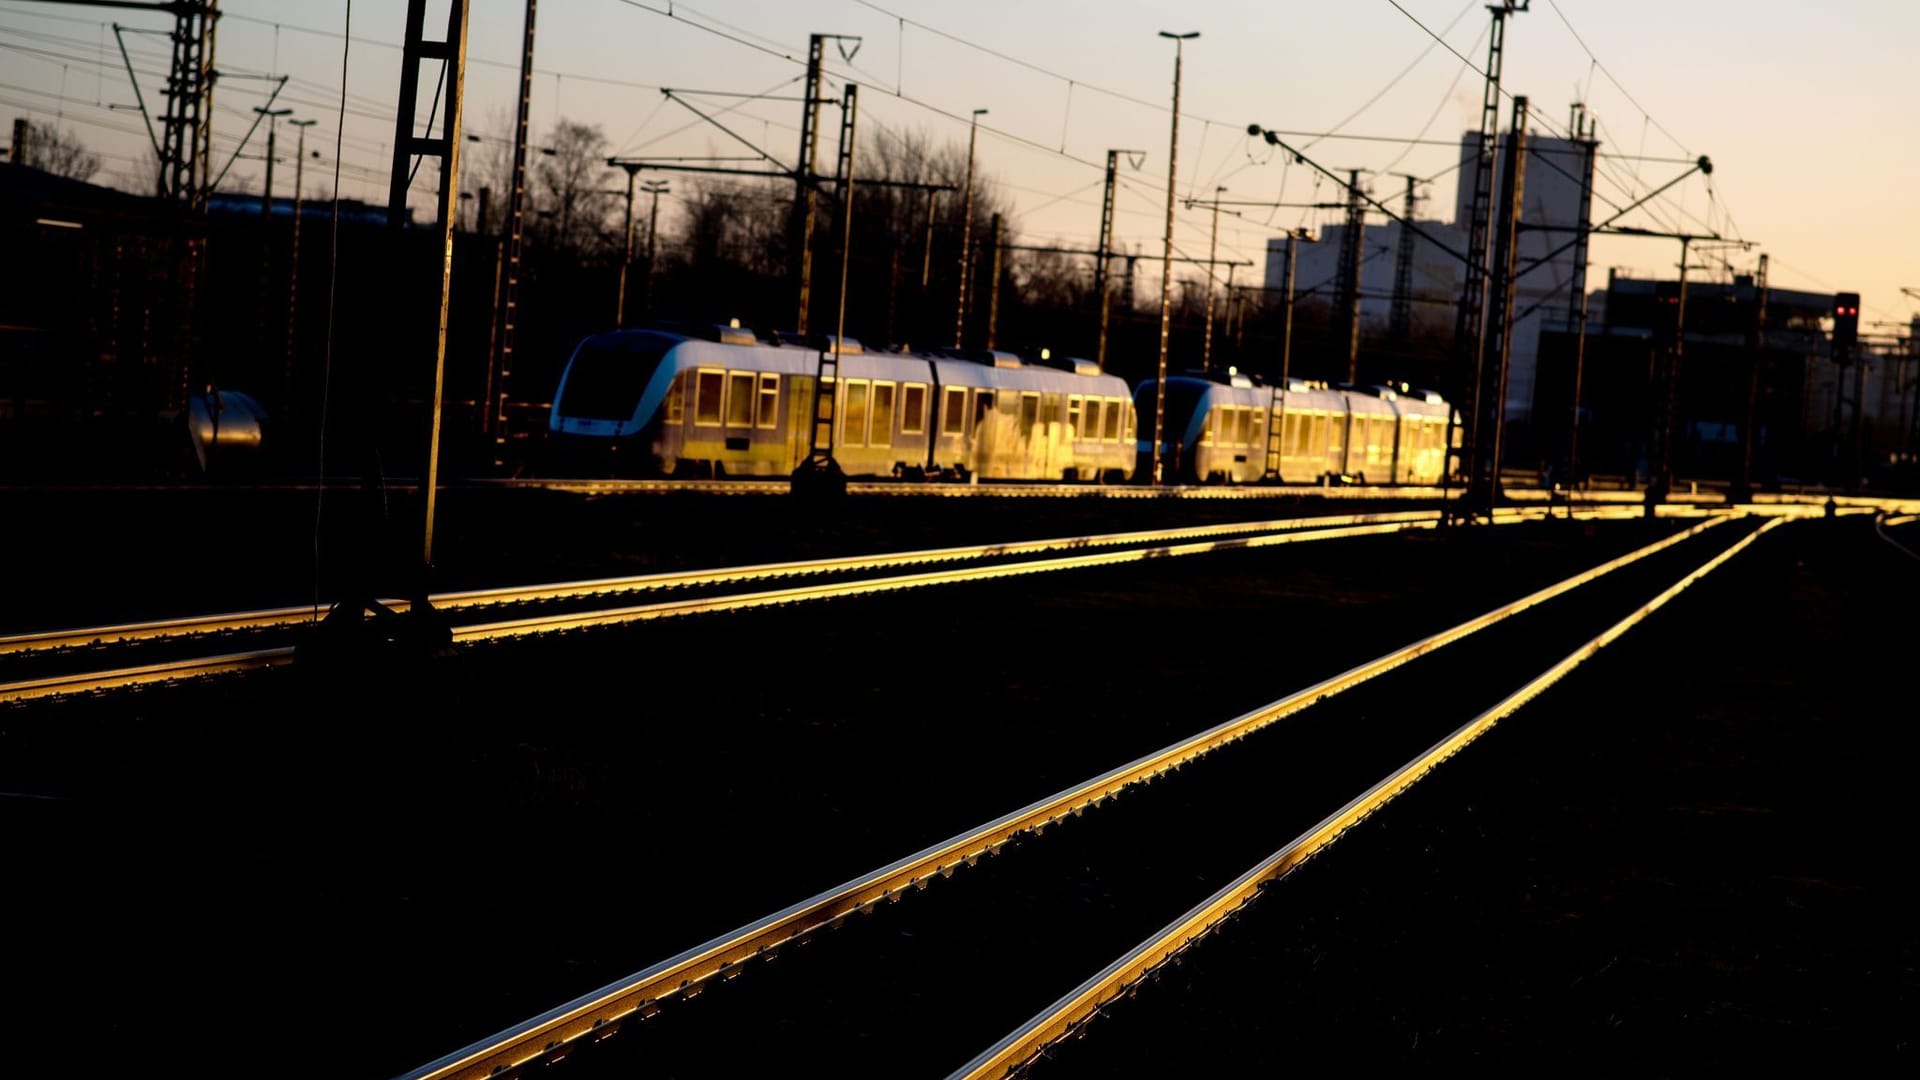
column 1552, row 206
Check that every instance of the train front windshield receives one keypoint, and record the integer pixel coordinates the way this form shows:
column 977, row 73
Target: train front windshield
column 604, row 382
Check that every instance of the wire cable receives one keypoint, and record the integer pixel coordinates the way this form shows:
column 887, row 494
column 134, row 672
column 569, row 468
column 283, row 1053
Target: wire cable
column 333, row 278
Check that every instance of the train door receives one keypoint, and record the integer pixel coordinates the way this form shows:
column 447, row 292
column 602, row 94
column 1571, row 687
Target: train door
column 914, row 436
column 953, row 425
column 799, row 394
column 984, row 441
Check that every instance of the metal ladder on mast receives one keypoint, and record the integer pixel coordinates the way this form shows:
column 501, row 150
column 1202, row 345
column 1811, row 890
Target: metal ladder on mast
column 820, row 466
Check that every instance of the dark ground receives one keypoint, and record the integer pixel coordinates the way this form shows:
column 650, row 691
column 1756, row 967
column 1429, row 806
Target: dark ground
column 85, row 557
column 1691, row 857
column 332, row 852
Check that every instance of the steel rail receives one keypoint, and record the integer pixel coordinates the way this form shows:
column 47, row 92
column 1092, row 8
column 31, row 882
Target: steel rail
column 1880, row 529
column 991, row 490
column 545, row 624
column 598, row 1013
column 274, row 618
column 1065, row 1017
column 1291, row 531
column 87, row 682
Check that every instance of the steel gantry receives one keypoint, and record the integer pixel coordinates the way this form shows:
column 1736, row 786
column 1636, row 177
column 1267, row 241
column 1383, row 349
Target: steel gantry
column 1488, row 423
column 1102, row 278
column 1470, row 324
column 507, row 309
column 1400, row 316
column 1346, row 297
column 820, row 474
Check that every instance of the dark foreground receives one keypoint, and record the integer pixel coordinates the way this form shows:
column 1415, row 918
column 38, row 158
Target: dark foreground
column 1686, row 857
column 1692, row 856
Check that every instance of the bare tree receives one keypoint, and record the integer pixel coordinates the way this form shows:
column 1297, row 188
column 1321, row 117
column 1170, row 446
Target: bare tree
column 486, row 163
column 574, row 183
column 53, row 150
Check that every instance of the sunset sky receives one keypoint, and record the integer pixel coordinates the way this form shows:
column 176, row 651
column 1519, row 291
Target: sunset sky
column 1803, row 108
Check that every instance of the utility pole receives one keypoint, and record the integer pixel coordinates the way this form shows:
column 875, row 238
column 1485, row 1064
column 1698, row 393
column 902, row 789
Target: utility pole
column 926, row 246
column 803, row 181
column 293, row 258
column 1102, row 258
column 1286, row 310
column 266, row 186
column 1756, row 353
column 1166, row 265
column 262, row 318
column 421, row 627
column 186, row 135
column 1469, row 326
column 632, row 170
column 993, row 294
column 1346, row 301
column 1213, row 248
column 1577, row 307
column 500, row 367
column 655, row 188
column 1666, row 393
column 1490, row 374
column 820, row 474
column 1400, row 318
column 966, row 236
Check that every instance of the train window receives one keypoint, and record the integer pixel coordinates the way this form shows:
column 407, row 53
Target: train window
column 913, row 409
column 1090, row 419
column 1050, row 408
column 982, row 406
column 706, row 396
column 853, row 424
column 739, row 399
column 1074, row 402
column 1243, row 436
column 677, row 399
column 1115, row 410
column 953, row 415
column 769, row 402
column 1257, row 426
column 882, row 415
column 1029, row 413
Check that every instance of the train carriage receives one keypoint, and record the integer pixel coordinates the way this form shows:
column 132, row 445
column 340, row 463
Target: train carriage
column 655, row 402
column 1225, row 428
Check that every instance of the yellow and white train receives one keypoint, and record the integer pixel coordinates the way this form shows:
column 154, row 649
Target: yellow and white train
column 718, row 401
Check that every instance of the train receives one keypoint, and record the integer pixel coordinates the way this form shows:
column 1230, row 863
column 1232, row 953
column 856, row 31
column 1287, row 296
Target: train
column 721, row 401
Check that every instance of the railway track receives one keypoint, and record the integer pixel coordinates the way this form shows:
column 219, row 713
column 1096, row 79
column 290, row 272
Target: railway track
column 102, row 658
column 1346, row 733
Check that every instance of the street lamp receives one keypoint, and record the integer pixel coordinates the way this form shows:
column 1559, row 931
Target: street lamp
column 1166, row 273
column 966, row 234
